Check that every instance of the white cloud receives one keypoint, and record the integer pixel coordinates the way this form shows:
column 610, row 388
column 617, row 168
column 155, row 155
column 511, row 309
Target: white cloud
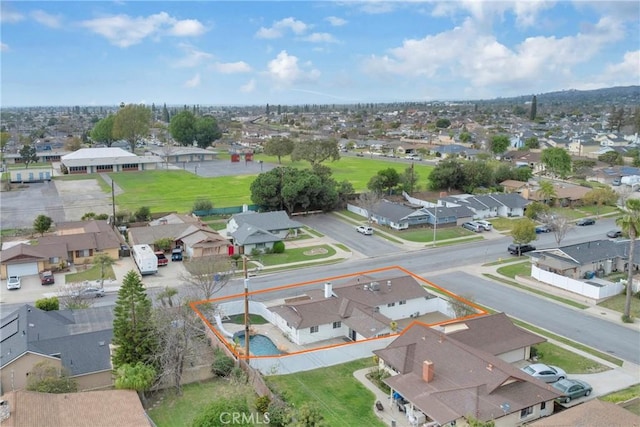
column 124, row 31
column 375, row 7
column 9, row 16
column 625, row 71
column 46, row 19
column 187, row 27
column 193, row 82
column 248, row 87
column 336, row 21
column 231, row 67
column 4, row 47
column 192, row 57
column 278, row 29
column 469, row 53
column 285, row 70
column 320, row 38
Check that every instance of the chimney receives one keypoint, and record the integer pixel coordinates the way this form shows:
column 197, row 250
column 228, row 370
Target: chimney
column 427, row 371
column 328, row 292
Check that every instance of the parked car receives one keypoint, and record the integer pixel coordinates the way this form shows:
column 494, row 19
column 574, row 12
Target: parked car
column 614, row 234
column 516, row 249
column 364, row 229
column 543, row 229
column 176, row 254
column 162, row 260
column 485, row 224
column 586, row 221
column 571, row 389
column 616, row 182
column 13, row 282
column 413, row 157
column 546, row 373
column 46, row 278
column 473, row 226
column 87, row 293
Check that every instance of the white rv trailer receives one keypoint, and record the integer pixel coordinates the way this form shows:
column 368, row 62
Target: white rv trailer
column 145, row 259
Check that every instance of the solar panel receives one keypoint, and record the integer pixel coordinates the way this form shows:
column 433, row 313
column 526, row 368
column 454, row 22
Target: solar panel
column 9, row 329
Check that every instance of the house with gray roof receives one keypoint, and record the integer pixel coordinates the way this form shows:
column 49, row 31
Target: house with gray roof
column 439, row 379
column 66, row 339
column 488, row 205
column 195, row 238
column 395, row 215
column 362, row 308
column 253, row 230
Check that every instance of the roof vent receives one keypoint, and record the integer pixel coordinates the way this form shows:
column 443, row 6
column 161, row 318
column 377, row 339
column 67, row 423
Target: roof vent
column 101, row 343
column 374, row 286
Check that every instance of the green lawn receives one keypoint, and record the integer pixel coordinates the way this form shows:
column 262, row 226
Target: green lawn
column 518, row 269
column 310, row 253
column 176, row 190
column 502, row 224
column 342, row 399
column 170, row 410
column 617, row 303
column 571, row 362
column 425, row 235
column 89, row 274
column 602, row 210
column 568, row 212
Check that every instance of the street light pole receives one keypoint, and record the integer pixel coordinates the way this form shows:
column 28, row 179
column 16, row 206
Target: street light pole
column 435, row 224
column 246, row 307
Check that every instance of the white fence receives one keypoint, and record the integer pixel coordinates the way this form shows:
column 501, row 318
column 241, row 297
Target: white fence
column 589, row 290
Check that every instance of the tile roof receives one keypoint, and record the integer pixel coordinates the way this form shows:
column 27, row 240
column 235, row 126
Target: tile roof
column 104, row 408
column 465, row 381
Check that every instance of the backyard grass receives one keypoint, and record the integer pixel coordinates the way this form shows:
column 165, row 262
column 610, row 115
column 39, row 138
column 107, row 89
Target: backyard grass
column 254, row 319
column 89, row 274
column 616, row 303
column 310, row 253
column 342, row 399
column 171, row 410
column 570, row 361
column 517, row 269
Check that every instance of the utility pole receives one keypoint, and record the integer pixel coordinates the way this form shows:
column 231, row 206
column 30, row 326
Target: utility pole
column 113, row 202
column 246, row 307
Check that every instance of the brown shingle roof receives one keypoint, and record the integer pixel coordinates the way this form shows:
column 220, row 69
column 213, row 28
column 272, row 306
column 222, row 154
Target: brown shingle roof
column 594, row 413
column 466, row 380
column 21, row 253
column 106, row 408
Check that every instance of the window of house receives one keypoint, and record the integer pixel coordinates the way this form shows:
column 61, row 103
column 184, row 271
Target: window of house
column 337, row 325
column 54, row 260
column 313, row 329
column 543, row 406
column 403, row 302
column 391, row 304
column 83, row 253
column 526, row 412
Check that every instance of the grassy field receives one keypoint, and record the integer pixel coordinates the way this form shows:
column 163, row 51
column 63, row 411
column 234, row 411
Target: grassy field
column 176, row 190
column 617, row 303
column 342, row 399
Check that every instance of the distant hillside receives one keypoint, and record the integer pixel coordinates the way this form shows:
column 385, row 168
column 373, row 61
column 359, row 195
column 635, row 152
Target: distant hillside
column 620, row 95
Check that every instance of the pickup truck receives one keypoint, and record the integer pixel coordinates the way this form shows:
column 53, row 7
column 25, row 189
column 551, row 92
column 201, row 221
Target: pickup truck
column 162, row 260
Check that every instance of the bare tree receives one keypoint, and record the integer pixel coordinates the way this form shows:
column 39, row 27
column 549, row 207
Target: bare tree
column 624, row 192
column 460, row 308
column 558, row 224
column 70, row 296
column 182, row 343
column 208, row 275
column 167, row 150
column 369, row 200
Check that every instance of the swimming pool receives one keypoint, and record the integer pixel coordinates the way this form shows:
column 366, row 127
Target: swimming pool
column 259, row 345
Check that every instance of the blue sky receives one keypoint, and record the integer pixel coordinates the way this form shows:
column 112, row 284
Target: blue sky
column 306, row 52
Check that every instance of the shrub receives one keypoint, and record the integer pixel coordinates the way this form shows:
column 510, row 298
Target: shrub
column 218, row 412
column 278, row 247
column 48, row 304
column 262, row 403
column 142, row 214
column 163, row 244
column 202, row 205
column 279, row 414
column 222, row 365
column 238, row 376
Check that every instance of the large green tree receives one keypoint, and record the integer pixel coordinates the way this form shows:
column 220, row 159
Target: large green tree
column 28, row 154
column 316, row 151
column 138, row 377
column 384, row 181
column 183, row 127
column 207, row 131
column 547, row 191
column 613, row 158
column 447, row 175
column 601, row 196
column 630, row 224
column 477, row 173
column 523, row 231
column 102, row 132
column 278, row 146
column 557, row 161
column 133, row 329
column 499, row 144
column 42, row 224
column 132, row 123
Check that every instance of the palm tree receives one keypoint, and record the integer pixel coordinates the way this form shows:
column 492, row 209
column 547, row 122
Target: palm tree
column 630, row 224
column 547, row 191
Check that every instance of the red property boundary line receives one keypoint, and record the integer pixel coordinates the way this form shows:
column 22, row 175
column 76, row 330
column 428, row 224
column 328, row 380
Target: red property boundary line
column 194, row 306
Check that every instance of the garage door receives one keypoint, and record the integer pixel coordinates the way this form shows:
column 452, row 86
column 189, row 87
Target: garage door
column 26, row 269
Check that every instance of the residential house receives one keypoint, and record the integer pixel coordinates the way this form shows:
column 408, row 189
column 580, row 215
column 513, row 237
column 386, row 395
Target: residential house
column 195, row 238
column 395, row 215
column 447, row 216
column 526, row 158
column 74, row 242
column 259, row 231
column 76, row 340
column 455, row 150
column 120, row 408
column 362, row 308
column 439, row 379
column 513, row 186
column 488, row 205
column 566, row 195
column 594, row 412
